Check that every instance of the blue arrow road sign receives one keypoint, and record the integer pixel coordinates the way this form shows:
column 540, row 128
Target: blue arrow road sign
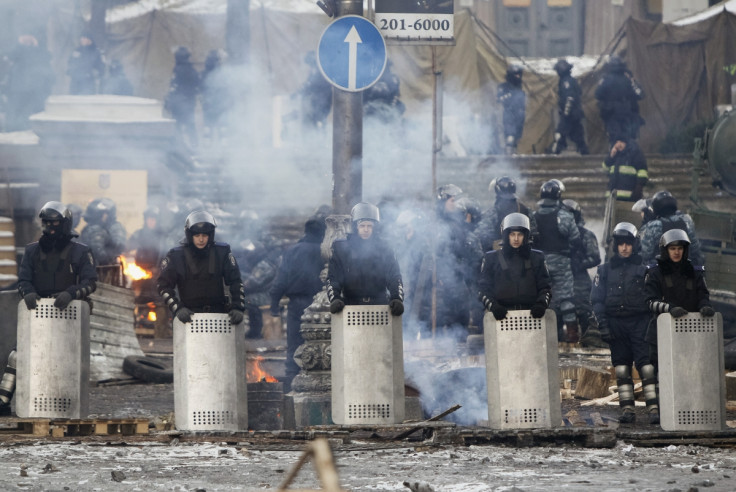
column 351, row 53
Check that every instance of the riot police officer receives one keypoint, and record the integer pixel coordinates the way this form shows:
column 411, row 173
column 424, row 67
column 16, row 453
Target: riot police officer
column 558, row 237
column 675, row 286
column 621, row 310
column 588, row 256
column 103, row 233
column 667, row 217
column 55, row 266
column 516, row 277
column 363, row 269
column 513, row 99
column 505, row 203
column 570, row 110
column 197, row 269
column 618, row 95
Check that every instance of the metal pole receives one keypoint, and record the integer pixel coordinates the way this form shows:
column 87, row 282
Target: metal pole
column 347, row 135
column 436, row 147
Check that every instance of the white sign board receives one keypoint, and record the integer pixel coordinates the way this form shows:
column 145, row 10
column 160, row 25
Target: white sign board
column 416, row 21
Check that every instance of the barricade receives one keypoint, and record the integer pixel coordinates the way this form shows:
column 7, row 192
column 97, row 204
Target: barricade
column 522, row 371
column 367, row 366
column 210, row 391
column 692, row 389
column 53, row 361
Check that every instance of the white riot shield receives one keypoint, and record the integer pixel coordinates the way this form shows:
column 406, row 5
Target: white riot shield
column 692, row 392
column 210, row 391
column 367, row 366
column 522, row 371
column 53, row 361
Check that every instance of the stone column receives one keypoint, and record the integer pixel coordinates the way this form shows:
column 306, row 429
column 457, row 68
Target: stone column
column 311, row 388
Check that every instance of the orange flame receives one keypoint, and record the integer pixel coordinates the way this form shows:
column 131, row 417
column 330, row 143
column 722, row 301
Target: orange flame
column 256, row 374
column 151, row 315
column 130, row 269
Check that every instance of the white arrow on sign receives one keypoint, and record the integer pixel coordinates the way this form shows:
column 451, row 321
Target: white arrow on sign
column 353, row 38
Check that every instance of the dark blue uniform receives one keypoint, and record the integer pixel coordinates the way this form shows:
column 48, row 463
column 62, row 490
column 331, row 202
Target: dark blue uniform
column 363, row 271
column 298, row 279
column 619, row 303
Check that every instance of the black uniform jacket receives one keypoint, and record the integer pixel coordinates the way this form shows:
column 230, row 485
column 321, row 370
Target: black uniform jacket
column 618, row 289
column 361, row 271
column 516, row 278
column 65, row 265
column 199, row 275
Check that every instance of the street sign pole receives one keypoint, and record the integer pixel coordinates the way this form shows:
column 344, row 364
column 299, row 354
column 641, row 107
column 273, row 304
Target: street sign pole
column 347, row 133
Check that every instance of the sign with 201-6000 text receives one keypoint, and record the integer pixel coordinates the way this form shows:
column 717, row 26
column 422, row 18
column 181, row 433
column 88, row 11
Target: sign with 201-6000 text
column 417, row 21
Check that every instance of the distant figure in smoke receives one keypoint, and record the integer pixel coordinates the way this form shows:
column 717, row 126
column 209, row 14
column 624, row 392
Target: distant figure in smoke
column 85, row 67
column 506, row 202
column 459, row 254
column 570, row 102
column 116, row 82
column 54, row 267
column 182, row 97
column 512, row 98
column 298, row 279
column 414, row 254
column 28, row 83
column 382, row 99
column 316, row 95
column 618, row 94
column 215, row 97
column 147, row 243
column 103, row 233
column 363, row 269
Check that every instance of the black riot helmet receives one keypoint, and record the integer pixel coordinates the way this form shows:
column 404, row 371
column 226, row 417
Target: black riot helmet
column 504, row 187
column 77, row 213
column 664, row 204
column 562, row 67
column 674, row 237
column 200, row 222
column 615, row 64
column 53, row 212
column 513, row 74
column 574, row 207
column 447, row 191
column 101, row 211
column 552, row 189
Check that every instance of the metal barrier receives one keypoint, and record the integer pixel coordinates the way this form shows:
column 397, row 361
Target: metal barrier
column 692, row 393
column 210, row 390
column 53, row 361
column 522, row 371
column 367, row 366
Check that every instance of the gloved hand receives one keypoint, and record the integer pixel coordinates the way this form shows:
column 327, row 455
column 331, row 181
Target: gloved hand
column 605, row 332
column 236, row 316
column 678, row 312
column 396, row 307
column 31, row 300
column 184, row 314
column 336, row 306
column 63, row 299
column 707, row 311
column 499, row 312
column 538, row 310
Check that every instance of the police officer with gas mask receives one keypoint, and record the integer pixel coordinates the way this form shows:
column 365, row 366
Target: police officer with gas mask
column 197, row 270
column 54, row 267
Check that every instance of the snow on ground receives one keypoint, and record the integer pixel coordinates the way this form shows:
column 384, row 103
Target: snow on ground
column 363, row 466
